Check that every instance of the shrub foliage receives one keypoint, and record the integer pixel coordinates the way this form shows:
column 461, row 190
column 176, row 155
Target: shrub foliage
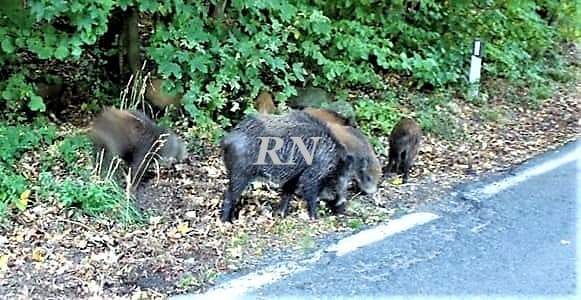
column 220, row 53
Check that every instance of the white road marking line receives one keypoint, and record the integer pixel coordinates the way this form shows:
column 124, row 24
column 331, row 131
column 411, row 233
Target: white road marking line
column 380, row 232
column 499, row 186
column 237, row 288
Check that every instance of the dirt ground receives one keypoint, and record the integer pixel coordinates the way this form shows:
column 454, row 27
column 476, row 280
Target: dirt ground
column 50, row 251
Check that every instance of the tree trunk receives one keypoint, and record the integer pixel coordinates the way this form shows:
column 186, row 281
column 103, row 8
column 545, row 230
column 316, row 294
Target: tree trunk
column 133, row 43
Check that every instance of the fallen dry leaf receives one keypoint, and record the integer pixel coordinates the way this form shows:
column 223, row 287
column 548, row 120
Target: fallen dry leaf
column 154, row 220
column 3, row 263
column 396, row 180
column 23, row 200
column 39, row 254
column 191, row 215
column 183, row 228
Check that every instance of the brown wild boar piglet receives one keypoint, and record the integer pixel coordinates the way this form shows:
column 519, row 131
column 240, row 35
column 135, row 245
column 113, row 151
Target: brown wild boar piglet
column 264, row 103
column 329, row 116
column 404, row 145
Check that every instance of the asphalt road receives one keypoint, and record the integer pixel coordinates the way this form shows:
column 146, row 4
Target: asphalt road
column 521, row 241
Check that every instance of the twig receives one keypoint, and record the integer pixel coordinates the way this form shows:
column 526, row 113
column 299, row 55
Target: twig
column 152, row 154
column 76, row 223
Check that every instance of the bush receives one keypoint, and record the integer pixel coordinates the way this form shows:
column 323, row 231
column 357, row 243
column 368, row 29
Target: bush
column 96, row 198
column 378, row 117
column 220, row 60
column 15, row 140
column 12, row 186
column 75, row 149
column 437, row 115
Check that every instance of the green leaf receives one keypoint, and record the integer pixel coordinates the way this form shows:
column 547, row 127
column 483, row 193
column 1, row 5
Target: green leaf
column 8, row 95
column 299, row 71
column 199, row 63
column 84, row 23
column 77, row 51
column 61, row 52
column 36, row 103
column 278, row 64
column 124, row 3
column 44, row 52
column 7, row 46
column 88, row 37
column 76, row 7
column 171, row 68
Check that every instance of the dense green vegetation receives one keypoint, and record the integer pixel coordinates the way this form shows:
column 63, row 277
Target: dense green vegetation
column 18, row 176
column 220, row 54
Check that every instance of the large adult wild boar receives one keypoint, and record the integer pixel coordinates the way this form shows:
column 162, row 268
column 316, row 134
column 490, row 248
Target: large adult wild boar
column 269, row 147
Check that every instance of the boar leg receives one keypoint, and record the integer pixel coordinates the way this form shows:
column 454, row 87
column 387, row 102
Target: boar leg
column 402, row 161
column 288, row 190
column 391, row 166
column 311, row 187
column 341, row 198
column 406, row 166
column 235, row 189
column 341, row 184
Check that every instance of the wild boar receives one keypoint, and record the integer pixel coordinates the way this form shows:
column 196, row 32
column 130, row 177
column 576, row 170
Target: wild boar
column 365, row 167
column 155, row 94
column 404, row 145
column 135, row 138
column 329, row 116
column 305, row 156
column 264, row 103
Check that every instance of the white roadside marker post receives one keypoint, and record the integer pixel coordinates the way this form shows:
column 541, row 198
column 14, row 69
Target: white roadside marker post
column 475, row 69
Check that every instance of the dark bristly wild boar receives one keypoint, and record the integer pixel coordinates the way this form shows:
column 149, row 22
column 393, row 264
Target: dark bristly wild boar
column 404, row 145
column 365, row 167
column 134, row 138
column 249, row 154
column 264, row 103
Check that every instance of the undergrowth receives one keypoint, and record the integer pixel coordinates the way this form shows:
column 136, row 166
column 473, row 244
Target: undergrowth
column 64, row 174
